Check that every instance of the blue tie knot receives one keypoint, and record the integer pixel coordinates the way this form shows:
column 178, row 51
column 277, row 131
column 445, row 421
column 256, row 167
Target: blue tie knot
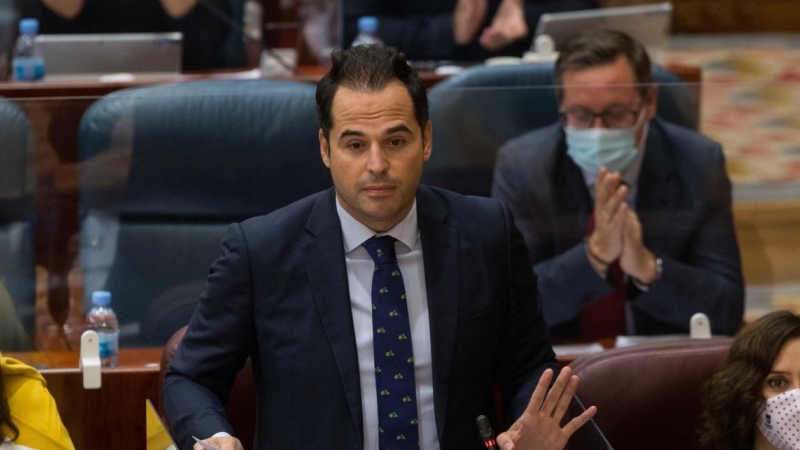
column 381, row 249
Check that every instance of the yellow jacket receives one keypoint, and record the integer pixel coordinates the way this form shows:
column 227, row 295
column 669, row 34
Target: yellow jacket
column 33, row 409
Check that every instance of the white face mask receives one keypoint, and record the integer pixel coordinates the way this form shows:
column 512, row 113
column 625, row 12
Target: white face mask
column 591, row 148
column 779, row 421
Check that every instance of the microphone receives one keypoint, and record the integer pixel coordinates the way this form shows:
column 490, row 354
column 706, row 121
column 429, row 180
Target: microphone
column 231, row 23
column 486, row 432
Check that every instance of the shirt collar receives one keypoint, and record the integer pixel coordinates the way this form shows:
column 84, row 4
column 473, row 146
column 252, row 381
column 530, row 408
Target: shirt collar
column 356, row 233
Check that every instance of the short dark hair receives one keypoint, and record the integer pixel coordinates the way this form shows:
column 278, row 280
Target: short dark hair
column 733, row 397
column 598, row 47
column 369, row 68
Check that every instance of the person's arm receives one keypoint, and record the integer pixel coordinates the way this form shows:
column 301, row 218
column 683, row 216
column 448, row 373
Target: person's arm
column 707, row 278
column 178, row 8
column 526, row 364
column 531, row 198
column 68, row 9
column 525, row 351
column 219, row 339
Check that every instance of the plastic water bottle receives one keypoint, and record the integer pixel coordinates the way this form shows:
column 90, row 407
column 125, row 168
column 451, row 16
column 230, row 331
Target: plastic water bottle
column 101, row 318
column 367, row 32
column 27, row 63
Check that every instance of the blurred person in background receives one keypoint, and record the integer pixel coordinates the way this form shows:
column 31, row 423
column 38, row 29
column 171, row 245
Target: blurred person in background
column 627, row 217
column 202, row 22
column 752, row 402
column 458, row 30
column 12, row 334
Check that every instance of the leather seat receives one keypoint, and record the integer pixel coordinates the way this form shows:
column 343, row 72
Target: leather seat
column 17, row 184
column 186, row 160
column 648, row 396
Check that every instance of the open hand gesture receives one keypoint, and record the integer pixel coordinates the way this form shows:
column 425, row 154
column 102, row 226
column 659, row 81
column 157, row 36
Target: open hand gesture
column 539, row 427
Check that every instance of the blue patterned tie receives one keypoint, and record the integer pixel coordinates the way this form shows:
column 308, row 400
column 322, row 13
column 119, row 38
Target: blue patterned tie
column 394, row 357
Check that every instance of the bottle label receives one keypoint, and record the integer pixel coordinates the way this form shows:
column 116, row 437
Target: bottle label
column 28, row 68
column 108, row 343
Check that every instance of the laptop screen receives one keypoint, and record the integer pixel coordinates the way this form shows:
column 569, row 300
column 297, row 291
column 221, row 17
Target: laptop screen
column 76, row 54
column 158, row 437
column 648, row 24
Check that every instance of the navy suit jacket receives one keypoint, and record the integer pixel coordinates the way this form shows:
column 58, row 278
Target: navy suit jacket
column 279, row 295
column 684, row 206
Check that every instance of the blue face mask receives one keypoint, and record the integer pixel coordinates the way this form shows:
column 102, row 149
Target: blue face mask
column 592, row 148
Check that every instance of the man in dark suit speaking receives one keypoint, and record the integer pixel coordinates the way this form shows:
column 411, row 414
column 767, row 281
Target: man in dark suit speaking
column 379, row 313
column 627, row 218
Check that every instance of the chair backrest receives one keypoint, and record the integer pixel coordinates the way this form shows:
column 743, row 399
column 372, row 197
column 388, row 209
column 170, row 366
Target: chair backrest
column 187, row 159
column 648, row 396
column 241, row 406
column 475, row 112
column 17, row 183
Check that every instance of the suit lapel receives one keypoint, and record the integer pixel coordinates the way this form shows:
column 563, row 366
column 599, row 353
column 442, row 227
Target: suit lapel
column 574, row 202
column 327, row 272
column 440, row 244
column 658, row 184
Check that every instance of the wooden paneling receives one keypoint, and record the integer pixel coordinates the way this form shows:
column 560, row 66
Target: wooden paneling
column 769, row 238
column 728, row 16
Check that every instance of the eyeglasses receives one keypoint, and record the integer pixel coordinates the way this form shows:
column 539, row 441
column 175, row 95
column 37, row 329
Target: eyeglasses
column 615, row 117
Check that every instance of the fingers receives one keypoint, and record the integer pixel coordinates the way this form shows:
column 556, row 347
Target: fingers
column 579, row 421
column 538, row 397
column 610, row 194
column 505, row 441
column 222, row 442
column 557, row 393
column 605, row 185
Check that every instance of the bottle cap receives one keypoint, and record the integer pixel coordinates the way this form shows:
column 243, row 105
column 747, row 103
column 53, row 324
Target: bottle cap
column 367, row 24
column 101, row 298
column 29, row 26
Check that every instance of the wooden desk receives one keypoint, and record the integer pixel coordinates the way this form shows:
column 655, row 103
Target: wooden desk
column 111, row 417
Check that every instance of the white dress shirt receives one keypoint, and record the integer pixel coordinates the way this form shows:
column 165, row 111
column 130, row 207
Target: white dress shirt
column 359, row 279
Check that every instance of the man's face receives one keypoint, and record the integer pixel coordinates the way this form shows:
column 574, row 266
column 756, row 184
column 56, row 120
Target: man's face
column 609, row 89
column 375, row 153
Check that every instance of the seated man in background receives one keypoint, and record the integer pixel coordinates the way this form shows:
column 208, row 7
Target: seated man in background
column 627, row 217
column 205, row 32
column 451, row 29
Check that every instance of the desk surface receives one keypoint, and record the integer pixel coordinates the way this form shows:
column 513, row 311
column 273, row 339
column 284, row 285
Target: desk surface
column 129, row 358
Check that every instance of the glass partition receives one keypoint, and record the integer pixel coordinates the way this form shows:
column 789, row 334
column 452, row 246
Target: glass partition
column 132, row 190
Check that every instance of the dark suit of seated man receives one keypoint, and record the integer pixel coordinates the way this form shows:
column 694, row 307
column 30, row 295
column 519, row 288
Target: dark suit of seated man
column 348, row 353
column 627, row 218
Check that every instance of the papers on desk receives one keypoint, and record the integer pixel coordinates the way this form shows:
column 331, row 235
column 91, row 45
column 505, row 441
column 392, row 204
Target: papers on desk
column 575, row 350
column 627, row 341
column 578, row 349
